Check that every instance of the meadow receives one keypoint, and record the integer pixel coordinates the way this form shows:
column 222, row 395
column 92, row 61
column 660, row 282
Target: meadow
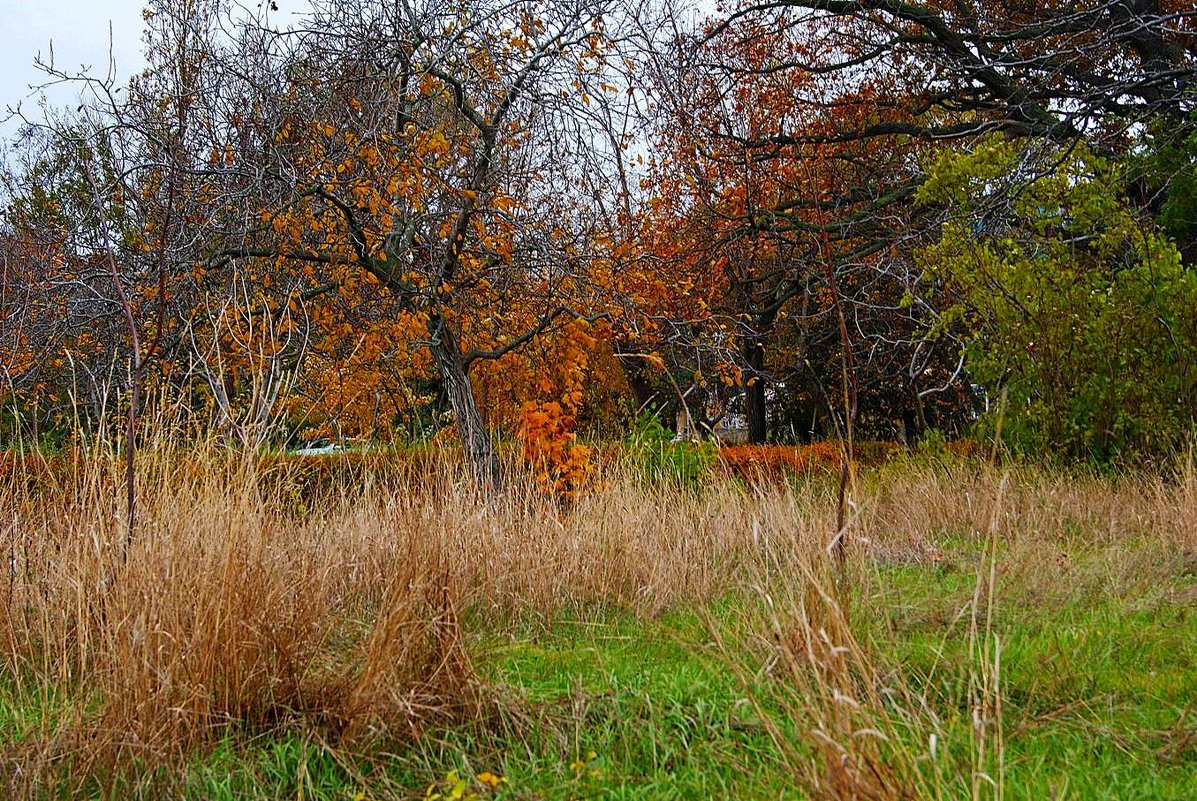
column 377, row 628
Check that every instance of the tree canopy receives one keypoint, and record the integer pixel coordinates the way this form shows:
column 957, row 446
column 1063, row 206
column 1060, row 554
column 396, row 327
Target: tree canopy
column 784, row 219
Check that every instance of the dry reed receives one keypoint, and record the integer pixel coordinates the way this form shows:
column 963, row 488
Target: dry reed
column 249, row 602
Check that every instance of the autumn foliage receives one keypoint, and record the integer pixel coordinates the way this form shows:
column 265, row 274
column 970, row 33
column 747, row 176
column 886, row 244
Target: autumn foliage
column 559, row 462
column 561, row 465
column 775, row 464
column 542, row 220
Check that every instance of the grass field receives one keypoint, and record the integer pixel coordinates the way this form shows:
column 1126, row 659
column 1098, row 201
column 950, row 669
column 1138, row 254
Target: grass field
column 996, row 632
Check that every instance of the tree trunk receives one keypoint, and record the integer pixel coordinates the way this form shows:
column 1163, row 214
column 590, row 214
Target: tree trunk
column 914, row 419
column 755, row 410
column 475, row 438
column 646, row 396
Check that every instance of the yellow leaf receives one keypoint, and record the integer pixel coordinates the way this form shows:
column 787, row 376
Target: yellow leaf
column 490, row 779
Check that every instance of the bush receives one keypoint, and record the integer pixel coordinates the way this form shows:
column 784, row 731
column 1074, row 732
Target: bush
column 776, row 464
column 652, row 451
column 1078, row 312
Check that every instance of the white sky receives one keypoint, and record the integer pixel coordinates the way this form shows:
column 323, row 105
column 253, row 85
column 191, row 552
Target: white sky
column 79, row 30
column 84, row 34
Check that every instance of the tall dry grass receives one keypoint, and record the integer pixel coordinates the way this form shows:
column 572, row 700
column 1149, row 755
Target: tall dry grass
column 224, row 610
column 249, row 601
column 252, row 598
column 852, row 723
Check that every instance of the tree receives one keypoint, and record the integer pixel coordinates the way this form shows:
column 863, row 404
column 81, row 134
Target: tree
column 823, row 111
column 1079, row 309
column 788, row 237
column 1057, row 70
column 426, row 151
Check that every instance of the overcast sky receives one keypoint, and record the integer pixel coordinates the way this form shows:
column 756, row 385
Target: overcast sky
column 79, row 31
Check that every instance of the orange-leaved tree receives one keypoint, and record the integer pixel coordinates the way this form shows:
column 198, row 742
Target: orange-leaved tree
column 793, row 227
column 430, row 157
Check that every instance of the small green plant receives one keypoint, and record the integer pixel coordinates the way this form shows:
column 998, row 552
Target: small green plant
column 660, row 459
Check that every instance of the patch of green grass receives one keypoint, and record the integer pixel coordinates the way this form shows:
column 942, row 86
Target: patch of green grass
column 1099, row 692
column 288, row 766
column 620, row 708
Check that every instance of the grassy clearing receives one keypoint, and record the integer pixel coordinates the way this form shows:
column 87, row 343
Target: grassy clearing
column 999, row 634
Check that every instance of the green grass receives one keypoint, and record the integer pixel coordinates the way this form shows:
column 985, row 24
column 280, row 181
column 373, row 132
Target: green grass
column 659, row 714
column 1099, row 693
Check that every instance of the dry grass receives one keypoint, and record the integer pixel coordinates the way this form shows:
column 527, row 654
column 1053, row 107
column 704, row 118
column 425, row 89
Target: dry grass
column 231, row 611
column 224, row 611
column 849, row 721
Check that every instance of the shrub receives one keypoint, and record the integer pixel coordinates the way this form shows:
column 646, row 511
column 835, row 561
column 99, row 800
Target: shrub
column 775, row 464
column 560, row 464
column 1079, row 312
column 652, row 451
